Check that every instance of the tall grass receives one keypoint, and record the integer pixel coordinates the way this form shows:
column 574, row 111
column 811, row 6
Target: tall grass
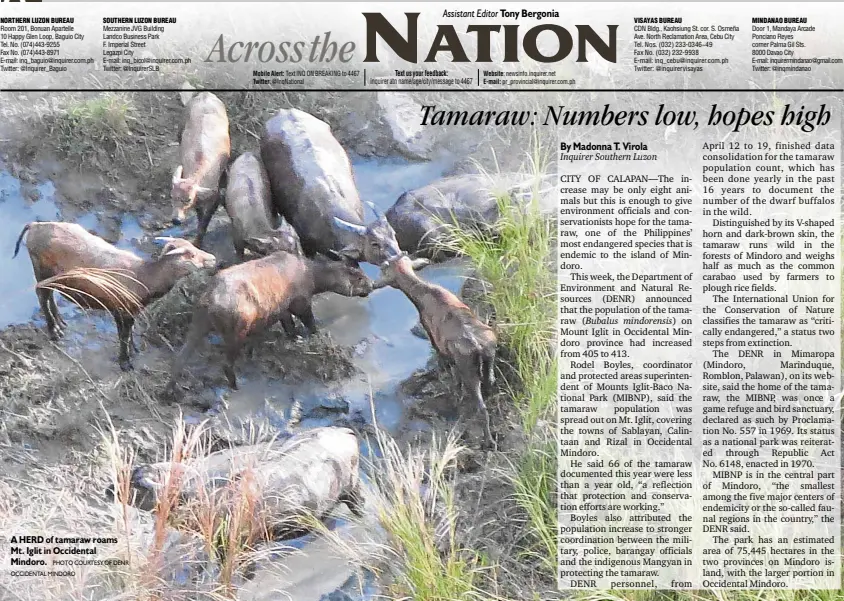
column 223, row 519
column 534, row 479
column 93, row 124
column 421, row 525
column 107, row 288
column 157, row 557
column 514, row 259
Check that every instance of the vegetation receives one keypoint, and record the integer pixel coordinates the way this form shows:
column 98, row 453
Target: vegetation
column 414, row 503
column 89, row 125
column 214, row 535
column 516, row 265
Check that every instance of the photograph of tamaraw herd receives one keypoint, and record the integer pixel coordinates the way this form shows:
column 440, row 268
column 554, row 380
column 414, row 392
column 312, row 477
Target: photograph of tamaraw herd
column 298, row 229
column 310, row 176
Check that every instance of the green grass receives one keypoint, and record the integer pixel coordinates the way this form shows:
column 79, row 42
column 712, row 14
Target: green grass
column 534, row 480
column 516, row 263
column 421, row 526
column 101, row 122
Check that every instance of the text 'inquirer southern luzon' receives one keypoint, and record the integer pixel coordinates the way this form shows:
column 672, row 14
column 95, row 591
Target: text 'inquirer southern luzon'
column 699, row 341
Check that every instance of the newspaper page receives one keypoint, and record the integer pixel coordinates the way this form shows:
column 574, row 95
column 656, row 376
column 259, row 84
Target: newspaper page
column 430, row 301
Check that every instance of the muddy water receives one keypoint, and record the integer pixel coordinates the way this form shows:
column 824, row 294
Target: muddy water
column 377, row 327
column 20, row 203
column 130, row 231
column 385, row 352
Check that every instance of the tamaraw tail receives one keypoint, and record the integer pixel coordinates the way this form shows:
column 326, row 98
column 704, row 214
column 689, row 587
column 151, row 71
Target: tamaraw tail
column 20, row 239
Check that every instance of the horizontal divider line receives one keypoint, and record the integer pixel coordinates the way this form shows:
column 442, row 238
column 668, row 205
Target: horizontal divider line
column 405, row 90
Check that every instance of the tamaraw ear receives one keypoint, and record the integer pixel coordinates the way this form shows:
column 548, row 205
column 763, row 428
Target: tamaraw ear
column 177, row 175
column 333, row 255
column 351, row 252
